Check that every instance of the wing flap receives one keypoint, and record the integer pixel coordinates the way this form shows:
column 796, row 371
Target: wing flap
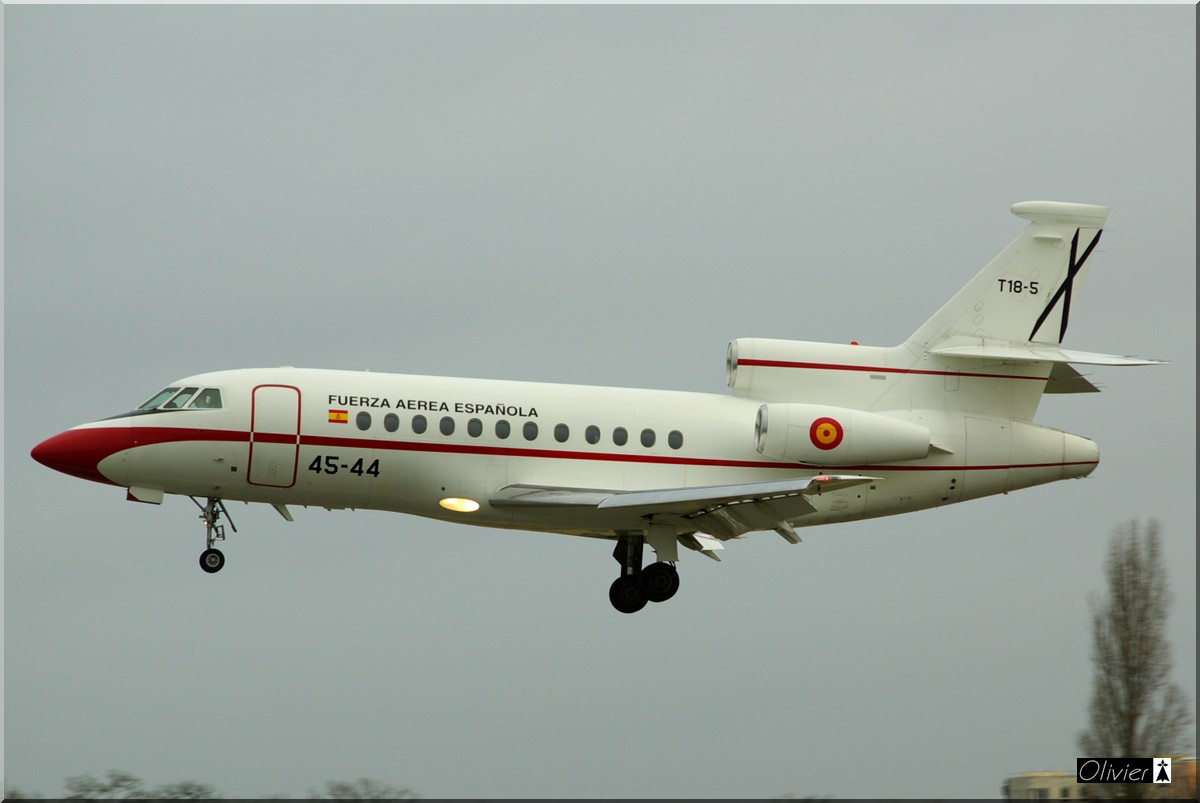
column 685, row 501
column 724, row 511
column 704, row 544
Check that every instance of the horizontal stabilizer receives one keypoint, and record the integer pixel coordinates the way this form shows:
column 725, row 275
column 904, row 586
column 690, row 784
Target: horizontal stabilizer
column 1039, row 352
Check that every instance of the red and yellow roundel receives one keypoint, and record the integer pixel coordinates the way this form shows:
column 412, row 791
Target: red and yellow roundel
column 826, row 433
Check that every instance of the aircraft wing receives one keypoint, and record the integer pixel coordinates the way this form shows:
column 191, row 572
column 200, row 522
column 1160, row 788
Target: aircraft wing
column 724, row 511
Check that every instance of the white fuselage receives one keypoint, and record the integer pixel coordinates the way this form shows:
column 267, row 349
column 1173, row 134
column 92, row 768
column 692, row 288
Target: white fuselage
column 341, row 439
column 811, row 433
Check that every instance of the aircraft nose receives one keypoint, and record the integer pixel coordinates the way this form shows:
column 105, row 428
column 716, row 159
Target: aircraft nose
column 80, row 451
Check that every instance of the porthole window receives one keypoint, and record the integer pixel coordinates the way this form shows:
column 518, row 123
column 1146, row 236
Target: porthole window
column 561, row 433
column 420, row 424
column 391, row 422
column 620, row 436
column 446, row 425
column 363, row 420
column 502, row 429
column 675, row 439
column 647, row 438
column 530, row 430
column 592, row 434
column 474, row 427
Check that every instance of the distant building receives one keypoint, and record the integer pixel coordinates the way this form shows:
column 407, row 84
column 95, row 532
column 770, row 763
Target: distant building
column 1062, row 786
column 1043, row 786
column 1183, row 777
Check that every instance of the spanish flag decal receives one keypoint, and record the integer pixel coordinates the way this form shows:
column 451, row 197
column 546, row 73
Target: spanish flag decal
column 339, row 416
column 826, row 433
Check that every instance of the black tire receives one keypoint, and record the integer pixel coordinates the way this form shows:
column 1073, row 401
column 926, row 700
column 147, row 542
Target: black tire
column 211, row 560
column 659, row 582
column 626, row 594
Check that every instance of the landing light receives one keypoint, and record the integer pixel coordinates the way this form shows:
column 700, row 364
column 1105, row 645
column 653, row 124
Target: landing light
column 459, row 505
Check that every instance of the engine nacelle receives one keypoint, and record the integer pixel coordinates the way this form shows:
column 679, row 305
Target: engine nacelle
column 836, row 436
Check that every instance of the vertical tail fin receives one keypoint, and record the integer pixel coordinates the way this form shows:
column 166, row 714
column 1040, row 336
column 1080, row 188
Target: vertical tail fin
column 1024, row 295
column 1009, row 322
column 991, row 350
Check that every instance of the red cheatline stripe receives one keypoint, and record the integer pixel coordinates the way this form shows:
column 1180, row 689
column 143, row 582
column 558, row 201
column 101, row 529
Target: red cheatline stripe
column 823, row 366
column 145, row 436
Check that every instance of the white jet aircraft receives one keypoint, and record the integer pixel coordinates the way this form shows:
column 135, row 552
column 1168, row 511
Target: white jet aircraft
column 813, row 433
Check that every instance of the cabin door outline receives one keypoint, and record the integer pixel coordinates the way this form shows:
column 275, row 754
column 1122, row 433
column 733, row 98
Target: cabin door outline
column 274, row 436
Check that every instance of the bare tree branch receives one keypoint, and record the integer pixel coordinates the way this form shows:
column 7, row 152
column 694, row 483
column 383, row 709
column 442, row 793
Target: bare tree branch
column 1135, row 710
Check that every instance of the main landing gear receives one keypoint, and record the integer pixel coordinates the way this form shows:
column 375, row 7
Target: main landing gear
column 211, row 559
column 636, row 586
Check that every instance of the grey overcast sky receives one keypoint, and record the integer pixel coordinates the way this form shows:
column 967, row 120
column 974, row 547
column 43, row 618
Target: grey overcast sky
column 600, row 195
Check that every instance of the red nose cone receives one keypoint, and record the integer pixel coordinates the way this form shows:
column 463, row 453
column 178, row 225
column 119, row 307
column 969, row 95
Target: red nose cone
column 78, row 452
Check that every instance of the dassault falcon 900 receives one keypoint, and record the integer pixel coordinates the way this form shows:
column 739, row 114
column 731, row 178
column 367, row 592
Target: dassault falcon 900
column 813, row 433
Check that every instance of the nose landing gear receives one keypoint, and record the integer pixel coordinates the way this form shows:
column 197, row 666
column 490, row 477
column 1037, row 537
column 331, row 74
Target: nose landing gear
column 212, row 559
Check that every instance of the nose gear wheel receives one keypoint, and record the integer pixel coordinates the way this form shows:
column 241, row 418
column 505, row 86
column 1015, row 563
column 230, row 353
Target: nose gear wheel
column 212, row 560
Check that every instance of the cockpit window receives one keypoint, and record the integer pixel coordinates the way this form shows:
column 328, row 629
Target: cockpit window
column 158, row 398
column 178, row 398
column 181, row 399
column 207, row 399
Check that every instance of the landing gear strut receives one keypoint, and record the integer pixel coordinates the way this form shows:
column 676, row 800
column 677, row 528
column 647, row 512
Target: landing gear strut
column 636, row 586
column 211, row 559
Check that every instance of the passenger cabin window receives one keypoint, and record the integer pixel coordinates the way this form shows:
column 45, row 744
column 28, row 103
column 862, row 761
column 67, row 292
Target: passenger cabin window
column 620, row 436
column 503, row 428
column 592, row 434
column 561, row 433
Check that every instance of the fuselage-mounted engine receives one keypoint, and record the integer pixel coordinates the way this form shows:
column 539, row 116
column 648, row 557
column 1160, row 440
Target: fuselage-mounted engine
column 823, row 435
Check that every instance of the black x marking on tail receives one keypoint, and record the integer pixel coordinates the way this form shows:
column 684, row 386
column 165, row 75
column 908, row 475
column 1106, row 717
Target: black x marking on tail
column 1064, row 289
